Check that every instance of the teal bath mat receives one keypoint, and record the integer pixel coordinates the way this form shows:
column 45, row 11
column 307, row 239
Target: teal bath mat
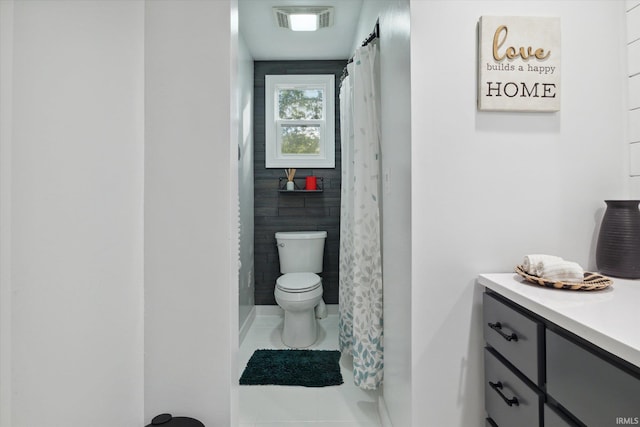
column 308, row 368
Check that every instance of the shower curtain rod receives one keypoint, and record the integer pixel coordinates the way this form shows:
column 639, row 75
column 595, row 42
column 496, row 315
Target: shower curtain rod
column 375, row 34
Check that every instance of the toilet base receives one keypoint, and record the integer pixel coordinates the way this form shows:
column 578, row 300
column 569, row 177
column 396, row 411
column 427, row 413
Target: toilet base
column 300, row 328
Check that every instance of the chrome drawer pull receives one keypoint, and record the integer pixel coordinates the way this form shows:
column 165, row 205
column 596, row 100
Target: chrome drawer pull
column 497, row 387
column 498, row 328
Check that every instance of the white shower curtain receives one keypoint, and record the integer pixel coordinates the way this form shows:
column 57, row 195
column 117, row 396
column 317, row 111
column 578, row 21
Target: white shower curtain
column 360, row 291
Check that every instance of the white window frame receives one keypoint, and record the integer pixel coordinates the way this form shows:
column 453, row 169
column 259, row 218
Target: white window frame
column 274, row 158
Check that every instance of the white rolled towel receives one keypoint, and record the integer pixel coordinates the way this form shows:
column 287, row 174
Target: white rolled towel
column 533, row 263
column 562, row 271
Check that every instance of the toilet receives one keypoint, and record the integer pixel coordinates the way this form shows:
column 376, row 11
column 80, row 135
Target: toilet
column 299, row 290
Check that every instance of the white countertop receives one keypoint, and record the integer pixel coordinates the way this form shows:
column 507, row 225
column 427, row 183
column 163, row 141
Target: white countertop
column 609, row 318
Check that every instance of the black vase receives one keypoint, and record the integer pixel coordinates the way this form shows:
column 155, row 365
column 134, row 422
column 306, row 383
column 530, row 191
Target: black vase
column 618, row 249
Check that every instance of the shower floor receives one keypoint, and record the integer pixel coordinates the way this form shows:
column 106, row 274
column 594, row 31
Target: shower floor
column 290, row 406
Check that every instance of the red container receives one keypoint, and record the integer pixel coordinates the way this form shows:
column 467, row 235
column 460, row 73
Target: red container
column 312, row 183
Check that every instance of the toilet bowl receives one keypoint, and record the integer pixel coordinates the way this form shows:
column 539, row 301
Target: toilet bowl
column 299, row 290
column 298, row 294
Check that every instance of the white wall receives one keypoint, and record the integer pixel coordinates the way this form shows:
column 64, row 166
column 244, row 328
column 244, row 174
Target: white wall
column 488, row 188
column 396, row 196
column 246, row 282
column 85, row 156
column 191, row 252
column 633, row 90
column 75, row 215
column 6, row 125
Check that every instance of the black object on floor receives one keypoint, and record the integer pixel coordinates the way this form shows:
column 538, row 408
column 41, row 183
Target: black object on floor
column 308, row 368
column 167, row 420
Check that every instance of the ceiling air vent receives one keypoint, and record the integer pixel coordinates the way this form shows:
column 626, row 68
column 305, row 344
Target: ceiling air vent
column 281, row 18
column 324, row 15
column 325, row 18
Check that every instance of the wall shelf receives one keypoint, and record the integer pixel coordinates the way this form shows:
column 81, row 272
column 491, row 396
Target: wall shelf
column 299, row 184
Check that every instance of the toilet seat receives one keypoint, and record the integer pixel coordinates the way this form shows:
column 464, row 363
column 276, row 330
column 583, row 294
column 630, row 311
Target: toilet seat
column 298, row 282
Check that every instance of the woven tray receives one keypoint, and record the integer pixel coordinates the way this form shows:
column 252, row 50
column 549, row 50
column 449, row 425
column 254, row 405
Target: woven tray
column 591, row 282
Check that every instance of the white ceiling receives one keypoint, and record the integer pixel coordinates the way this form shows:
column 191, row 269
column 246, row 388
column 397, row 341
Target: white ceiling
column 266, row 41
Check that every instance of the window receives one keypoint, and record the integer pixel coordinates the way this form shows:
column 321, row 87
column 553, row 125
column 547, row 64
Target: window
column 299, row 121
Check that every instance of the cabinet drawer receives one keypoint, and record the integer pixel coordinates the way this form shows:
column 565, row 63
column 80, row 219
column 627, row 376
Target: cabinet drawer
column 508, row 400
column 595, row 391
column 514, row 335
column 553, row 419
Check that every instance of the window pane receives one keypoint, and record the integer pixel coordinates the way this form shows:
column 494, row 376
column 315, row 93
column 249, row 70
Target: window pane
column 300, row 104
column 300, row 139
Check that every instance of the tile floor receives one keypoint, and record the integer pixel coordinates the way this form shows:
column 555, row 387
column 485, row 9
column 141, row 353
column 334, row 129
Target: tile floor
column 291, row 406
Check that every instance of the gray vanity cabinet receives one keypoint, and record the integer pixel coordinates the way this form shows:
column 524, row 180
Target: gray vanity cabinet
column 512, row 365
column 514, row 335
column 539, row 375
column 594, row 390
column 509, row 400
column 554, row 419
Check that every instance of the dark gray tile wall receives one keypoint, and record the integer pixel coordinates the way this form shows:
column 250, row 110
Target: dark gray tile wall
column 274, row 211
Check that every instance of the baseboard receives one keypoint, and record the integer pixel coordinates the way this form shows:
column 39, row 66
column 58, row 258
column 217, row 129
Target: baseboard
column 385, row 421
column 247, row 324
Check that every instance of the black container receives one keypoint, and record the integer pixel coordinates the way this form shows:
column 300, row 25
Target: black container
column 618, row 249
column 167, row 420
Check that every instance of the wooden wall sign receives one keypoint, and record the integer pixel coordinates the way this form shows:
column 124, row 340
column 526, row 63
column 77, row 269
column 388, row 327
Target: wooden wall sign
column 518, row 63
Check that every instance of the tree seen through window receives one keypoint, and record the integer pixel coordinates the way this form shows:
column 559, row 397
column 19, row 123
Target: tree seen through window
column 300, row 104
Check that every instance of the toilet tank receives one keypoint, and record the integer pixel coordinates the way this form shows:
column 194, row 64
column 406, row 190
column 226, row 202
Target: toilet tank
column 300, row 251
